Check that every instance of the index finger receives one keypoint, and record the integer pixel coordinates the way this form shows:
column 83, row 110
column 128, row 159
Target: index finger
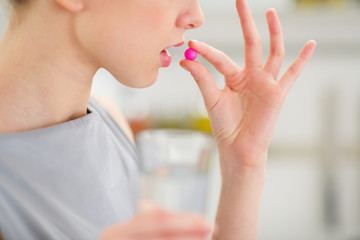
column 217, row 58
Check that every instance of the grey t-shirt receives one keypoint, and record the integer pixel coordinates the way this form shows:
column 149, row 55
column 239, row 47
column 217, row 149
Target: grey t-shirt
column 67, row 181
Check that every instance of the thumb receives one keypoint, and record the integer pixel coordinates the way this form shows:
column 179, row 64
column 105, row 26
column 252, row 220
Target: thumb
column 204, row 80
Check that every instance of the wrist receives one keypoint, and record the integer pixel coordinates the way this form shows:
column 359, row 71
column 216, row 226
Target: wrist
column 248, row 175
column 234, row 166
column 239, row 202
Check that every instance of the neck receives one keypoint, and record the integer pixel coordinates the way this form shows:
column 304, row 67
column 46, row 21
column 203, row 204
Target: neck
column 44, row 79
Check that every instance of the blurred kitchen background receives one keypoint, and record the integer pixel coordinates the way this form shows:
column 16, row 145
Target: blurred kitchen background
column 313, row 173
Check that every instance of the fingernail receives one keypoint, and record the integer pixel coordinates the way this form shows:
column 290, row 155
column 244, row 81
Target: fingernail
column 313, row 41
column 195, row 41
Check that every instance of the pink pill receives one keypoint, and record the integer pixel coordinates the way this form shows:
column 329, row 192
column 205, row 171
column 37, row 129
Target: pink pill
column 190, row 54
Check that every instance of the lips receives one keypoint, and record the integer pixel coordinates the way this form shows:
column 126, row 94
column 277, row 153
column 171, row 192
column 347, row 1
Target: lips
column 179, row 44
column 165, row 56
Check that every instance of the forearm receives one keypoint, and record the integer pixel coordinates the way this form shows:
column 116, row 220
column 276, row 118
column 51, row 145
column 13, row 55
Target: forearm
column 239, row 203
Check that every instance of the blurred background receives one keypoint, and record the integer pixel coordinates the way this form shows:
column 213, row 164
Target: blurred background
column 313, row 173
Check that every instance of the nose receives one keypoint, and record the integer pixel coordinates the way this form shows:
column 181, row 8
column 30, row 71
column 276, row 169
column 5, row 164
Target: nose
column 192, row 17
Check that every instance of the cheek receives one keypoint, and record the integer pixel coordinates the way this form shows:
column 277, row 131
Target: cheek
column 127, row 42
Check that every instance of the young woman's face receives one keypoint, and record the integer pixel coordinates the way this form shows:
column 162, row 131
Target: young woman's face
column 128, row 37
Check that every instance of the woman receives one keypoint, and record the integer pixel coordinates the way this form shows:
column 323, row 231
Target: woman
column 68, row 169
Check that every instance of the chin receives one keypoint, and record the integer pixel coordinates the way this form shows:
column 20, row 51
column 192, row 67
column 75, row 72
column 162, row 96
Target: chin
column 148, row 81
column 140, row 80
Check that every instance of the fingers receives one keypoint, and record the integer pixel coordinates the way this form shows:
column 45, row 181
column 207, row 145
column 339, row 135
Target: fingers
column 277, row 51
column 218, row 59
column 204, row 80
column 297, row 66
column 253, row 45
column 160, row 225
column 171, row 224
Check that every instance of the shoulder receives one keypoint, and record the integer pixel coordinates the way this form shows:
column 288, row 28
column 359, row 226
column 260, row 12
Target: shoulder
column 116, row 114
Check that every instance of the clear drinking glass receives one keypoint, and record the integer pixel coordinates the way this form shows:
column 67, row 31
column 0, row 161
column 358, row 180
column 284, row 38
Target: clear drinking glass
column 175, row 168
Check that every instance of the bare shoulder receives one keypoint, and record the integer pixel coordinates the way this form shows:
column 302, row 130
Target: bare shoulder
column 116, row 114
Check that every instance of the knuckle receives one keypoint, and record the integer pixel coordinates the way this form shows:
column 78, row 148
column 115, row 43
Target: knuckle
column 302, row 58
column 292, row 70
column 219, row 62
column 218, row 57
column 281, row 52
column 253, row 41
column 276, row 31
column 277, row 53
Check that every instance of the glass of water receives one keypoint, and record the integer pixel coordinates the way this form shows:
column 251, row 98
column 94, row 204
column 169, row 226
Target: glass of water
column 175, row 168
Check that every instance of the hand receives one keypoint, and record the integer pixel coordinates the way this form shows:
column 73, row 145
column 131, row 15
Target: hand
column 243, row 114
column 156, row 224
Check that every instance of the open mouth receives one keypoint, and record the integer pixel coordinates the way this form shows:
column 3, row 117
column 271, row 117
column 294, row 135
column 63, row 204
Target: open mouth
column 165, row 56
